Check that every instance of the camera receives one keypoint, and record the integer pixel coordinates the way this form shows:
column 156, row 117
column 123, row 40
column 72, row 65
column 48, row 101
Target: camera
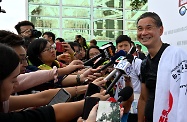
column 35, row 33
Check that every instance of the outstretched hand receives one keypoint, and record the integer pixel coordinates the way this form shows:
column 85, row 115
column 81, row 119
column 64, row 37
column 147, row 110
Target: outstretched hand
column 91, row 74
column 75, row 64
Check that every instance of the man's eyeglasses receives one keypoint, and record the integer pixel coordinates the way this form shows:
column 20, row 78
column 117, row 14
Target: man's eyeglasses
column 48, row 49
column 23, row 60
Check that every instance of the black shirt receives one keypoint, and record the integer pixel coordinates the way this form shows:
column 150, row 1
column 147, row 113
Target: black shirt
column 42, row 114
column 149, row 69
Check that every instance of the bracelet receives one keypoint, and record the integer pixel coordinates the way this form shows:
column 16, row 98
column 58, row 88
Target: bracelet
column 76, row 95
column 76, row 91
column 78, row 79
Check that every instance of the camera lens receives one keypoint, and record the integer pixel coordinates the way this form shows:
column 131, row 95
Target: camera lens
column 36, row 33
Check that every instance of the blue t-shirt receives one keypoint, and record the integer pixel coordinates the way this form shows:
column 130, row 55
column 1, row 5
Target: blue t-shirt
column 124, row 117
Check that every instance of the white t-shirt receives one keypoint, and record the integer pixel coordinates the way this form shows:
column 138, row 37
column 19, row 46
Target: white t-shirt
column 135, row 72
column 136, row 64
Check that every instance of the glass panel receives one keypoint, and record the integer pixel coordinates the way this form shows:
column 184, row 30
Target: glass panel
column 44, row 1
column 107, row 13
column 55, row 31
column 108, row 3
column 132, row 34
column 76, row 2
column 108, row 24
column 69, row 35
column 41, row 10
column 107, row 35
column 75, row 12
column 127, row 4
column 45, row 22
column 75, row 23
column 130, row 25
column 133, row 15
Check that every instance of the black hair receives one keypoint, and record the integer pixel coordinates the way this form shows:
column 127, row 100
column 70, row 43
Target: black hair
column 50, row 34
column 84, row 43
column 35, row 49
column 10, row 39
column 152, row 15
column 23, row 23
column 77, row 37
column 9, row 60
column 93, row 41
column 60, row 39
column 122, row 38
column 88, row 50
column 72, row 44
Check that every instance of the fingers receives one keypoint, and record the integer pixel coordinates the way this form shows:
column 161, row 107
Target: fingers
column 121, row 112
column 101, row 95
column 76, row 62
column 80, row 119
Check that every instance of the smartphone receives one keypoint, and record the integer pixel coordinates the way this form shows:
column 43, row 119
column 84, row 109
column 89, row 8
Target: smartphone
column 92, row 89
column 61, row 97
column 89, row 103
column 59, row 47
column 108, row 112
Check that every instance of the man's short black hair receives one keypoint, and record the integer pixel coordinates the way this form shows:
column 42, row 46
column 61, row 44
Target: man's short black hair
column 60, row 39
column 152, row 15
column 122, row 38
column 94, row 42
column 23, row 23
column 50, row 34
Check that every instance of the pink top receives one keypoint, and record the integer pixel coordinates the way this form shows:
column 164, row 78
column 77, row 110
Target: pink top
column 29, row 80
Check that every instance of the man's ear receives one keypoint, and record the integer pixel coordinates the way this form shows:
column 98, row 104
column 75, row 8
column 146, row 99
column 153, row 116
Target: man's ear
column 161, row 30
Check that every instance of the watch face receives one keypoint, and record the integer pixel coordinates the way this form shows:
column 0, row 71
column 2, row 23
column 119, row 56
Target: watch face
column 78, row 79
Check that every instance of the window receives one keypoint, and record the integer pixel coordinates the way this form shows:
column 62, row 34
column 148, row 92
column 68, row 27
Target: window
column 103, row 20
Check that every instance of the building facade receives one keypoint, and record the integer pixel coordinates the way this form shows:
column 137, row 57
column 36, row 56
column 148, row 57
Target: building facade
column 102, row 20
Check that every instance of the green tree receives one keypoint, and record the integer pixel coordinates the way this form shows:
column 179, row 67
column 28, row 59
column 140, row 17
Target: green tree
column 136, row 4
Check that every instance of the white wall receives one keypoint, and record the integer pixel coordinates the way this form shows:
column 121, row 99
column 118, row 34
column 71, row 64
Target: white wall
column 175, row 25
column 15, row 12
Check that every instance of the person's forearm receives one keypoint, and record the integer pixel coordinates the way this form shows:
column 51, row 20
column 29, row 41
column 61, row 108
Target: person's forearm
column 141, row 108
column 77, row 90
column 32, row 100
column 65, row 112
column 29, row 80
column 71, row 80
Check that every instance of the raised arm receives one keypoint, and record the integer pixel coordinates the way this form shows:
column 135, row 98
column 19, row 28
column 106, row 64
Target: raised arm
column 29, row 80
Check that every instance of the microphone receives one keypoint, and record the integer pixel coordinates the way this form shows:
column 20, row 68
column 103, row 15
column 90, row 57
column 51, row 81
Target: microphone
column 122, row 63
column 108, row 51
column 132, row 50
column 123, row 67
column 112, row 61
column 98, row 62
column 93, row 59
column 125, row 94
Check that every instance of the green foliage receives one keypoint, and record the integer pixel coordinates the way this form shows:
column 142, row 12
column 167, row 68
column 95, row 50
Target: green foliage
column 136, row 4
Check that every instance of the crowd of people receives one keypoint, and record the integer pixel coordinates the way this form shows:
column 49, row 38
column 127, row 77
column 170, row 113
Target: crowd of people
column 33, row 70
